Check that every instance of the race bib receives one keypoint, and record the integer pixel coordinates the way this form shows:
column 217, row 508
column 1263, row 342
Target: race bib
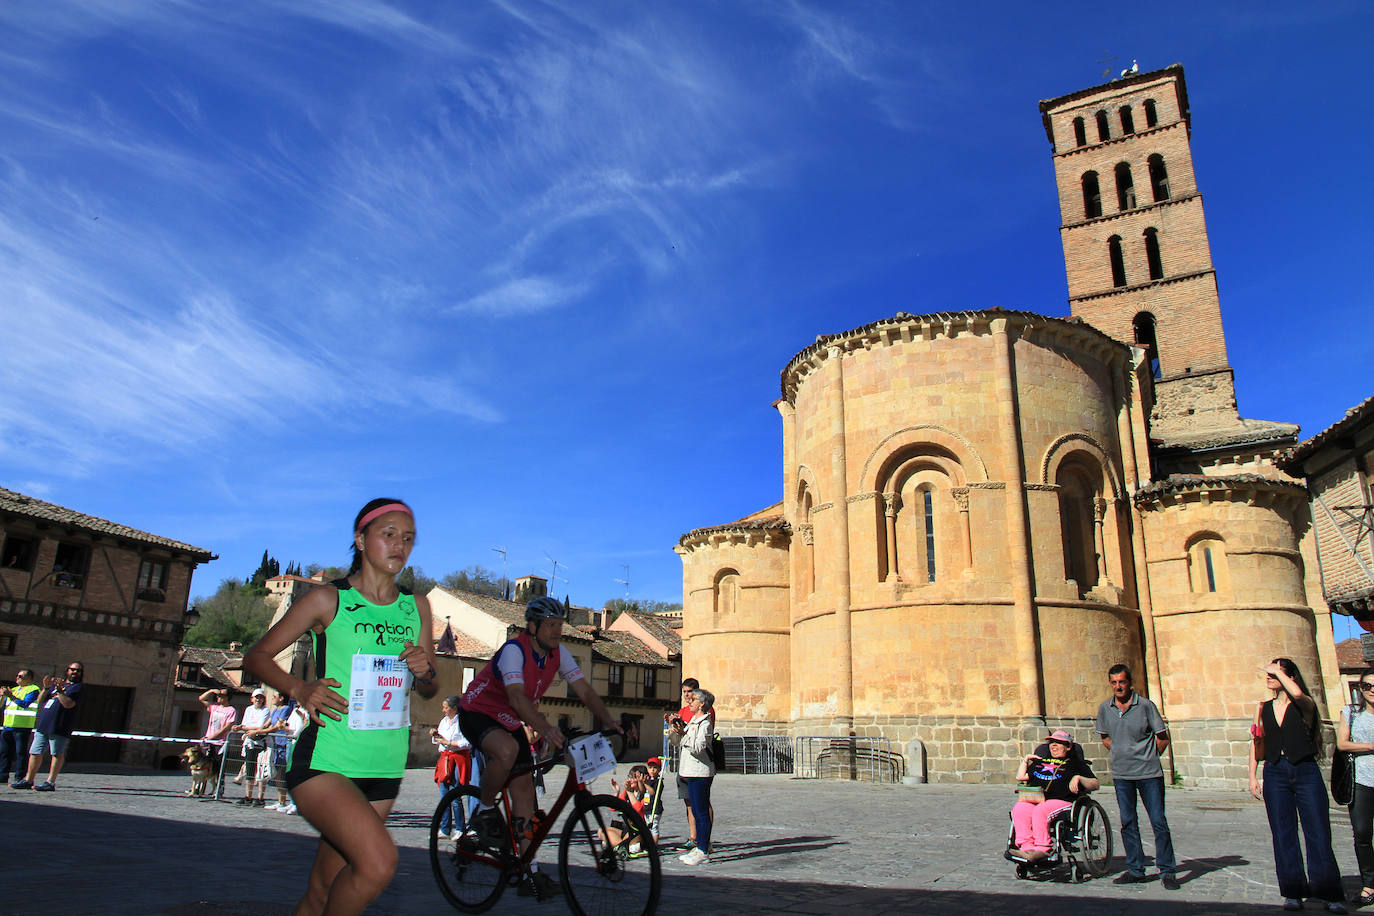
column 591, row 756
column 380, row 688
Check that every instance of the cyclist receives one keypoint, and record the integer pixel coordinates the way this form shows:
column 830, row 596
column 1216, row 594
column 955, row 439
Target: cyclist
column 500, row 698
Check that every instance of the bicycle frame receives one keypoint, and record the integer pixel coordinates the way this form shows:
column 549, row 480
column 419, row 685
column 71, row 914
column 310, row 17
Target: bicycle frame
column 572, row 788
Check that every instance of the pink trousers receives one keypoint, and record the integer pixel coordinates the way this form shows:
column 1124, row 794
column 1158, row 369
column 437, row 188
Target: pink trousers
column 1032, row 822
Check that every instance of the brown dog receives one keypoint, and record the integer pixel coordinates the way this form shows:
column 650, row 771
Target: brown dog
column 201, row 767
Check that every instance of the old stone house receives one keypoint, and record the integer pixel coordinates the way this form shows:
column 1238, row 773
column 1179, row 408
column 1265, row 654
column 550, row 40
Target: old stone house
column 74, row 587
column 983, row 510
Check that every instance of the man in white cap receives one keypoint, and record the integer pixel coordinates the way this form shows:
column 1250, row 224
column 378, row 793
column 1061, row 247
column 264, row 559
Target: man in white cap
column 254, row 727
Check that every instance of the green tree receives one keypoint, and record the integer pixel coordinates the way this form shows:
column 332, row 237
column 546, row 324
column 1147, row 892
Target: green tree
column 236, row 612
column 618, row 606
column 414, row 579
column 479, row 581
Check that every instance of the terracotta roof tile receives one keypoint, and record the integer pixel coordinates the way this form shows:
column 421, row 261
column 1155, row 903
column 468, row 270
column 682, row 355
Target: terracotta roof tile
column 1178, row 483
column 627, row 649
column 661, row 629
column 511, row 612
column 1349, row 654
column 1361, row 413
column 38, row 510
column 213, row 663
column 749, row 523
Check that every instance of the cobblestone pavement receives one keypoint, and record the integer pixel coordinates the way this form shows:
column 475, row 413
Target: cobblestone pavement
column 118, row 841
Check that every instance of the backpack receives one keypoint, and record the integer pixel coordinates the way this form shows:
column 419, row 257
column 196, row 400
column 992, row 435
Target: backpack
column 717, row 753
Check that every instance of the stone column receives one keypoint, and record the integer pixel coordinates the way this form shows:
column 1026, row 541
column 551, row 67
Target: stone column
column 890, row 501
column 1099, row 543
column 960, row 495
column 1018, row 531
column 1130, row 424
column 839, row 487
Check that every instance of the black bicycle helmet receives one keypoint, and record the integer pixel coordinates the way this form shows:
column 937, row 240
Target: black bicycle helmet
column 545, row 608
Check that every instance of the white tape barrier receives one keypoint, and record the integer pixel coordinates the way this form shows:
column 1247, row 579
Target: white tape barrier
column 135, row 737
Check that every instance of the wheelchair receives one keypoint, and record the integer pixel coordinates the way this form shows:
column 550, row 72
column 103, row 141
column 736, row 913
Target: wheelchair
column 1080, row 844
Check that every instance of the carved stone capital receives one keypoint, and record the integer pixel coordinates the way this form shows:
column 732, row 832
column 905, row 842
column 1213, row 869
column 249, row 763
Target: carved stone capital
column 960, row 495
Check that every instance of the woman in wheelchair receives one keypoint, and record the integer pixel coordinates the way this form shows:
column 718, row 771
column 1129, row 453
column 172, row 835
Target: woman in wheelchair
column 1048, row 781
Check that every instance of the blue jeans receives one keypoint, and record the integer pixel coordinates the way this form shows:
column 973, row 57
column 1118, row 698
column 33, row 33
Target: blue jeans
column 14, row 752
column 1292, row 792
column 457, row 811
column 1151, row 792
column 699, row 797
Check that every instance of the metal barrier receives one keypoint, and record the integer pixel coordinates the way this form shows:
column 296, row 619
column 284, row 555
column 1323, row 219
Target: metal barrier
column 758, row 754
column 808, row 757
column 234, row 760
column 847, row 757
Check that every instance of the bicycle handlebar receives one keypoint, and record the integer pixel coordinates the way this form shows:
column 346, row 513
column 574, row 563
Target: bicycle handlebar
column 569, row 735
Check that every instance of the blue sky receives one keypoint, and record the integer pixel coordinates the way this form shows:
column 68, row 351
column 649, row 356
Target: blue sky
column 536, row 269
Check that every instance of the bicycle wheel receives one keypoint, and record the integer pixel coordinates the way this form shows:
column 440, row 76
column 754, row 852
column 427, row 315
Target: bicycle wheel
column 616, row 873
column 1094, row 832
column 470, row 878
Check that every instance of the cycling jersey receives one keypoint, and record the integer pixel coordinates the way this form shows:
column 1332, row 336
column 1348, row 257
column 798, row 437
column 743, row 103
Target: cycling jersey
column 517, row 662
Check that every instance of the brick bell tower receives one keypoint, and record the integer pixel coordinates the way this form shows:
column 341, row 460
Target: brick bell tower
column 1135, row 240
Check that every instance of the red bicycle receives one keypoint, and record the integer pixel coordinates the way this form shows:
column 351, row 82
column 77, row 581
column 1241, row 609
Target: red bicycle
column 608, row 862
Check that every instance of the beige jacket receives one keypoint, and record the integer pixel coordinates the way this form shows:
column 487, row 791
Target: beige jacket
column 696, row 747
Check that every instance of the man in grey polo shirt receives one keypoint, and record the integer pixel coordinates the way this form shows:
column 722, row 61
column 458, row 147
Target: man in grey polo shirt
column 1134, row 732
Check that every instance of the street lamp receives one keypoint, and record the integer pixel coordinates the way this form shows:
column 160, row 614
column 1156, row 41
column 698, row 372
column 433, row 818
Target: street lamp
column 191, row 617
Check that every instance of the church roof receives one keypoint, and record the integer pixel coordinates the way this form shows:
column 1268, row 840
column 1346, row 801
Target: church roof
column 748, row 523
column 1182, row 483
column 38, row 510
column 1248, row 432
column 1355, row 417
column 946, row 322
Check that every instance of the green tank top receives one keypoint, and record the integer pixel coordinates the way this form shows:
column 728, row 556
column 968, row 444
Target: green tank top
column 359, row 649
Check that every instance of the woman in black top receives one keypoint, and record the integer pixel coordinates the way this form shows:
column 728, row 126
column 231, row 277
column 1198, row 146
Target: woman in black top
column 1294, row 790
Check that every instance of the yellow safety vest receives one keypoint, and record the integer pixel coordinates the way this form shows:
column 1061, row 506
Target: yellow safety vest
column 19, row 716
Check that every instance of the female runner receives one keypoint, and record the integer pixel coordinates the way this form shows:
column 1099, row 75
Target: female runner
column 371, row 639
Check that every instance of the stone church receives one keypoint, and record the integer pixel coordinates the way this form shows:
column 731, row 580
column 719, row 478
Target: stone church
column 985, row 510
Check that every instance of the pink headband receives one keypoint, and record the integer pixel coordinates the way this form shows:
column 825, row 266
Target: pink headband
column 383, row 510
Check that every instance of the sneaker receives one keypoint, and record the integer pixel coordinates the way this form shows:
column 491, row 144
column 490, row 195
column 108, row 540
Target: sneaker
column 489, row 828
column 1129, row 877
column 1169, row 882
column 689, row 846
column 695, row 857
column 289, row 809
column 637, row 854
column 244, row 802
column 272, row 807
column 261, row 803
column 45, row 786
column 1292, row 903
column 1335, row 906
column 21, row 784
column 539, row 886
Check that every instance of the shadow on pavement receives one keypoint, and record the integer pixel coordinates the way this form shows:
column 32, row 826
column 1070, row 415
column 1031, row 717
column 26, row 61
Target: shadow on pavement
column 116, row 863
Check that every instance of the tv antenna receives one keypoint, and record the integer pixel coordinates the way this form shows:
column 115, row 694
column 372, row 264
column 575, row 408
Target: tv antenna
column 1106, row 60
column 556, row 577
column 625, row 581
column 505, row 582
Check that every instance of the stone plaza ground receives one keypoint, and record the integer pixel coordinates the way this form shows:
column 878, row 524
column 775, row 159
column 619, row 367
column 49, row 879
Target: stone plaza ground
column 119, row 841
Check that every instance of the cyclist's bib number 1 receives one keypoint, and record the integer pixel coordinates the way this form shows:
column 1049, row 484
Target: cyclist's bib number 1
column 591, row 757
column 381, row 693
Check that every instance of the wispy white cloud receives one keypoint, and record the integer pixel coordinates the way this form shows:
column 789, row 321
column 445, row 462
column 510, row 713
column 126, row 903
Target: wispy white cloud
column 523, row 296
